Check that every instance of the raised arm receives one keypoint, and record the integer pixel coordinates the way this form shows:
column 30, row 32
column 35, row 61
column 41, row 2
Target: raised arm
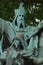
column 37, row 28
column 7, row 27
column 9, row 30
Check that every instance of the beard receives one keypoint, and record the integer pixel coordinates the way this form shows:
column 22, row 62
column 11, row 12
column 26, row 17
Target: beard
column 21, row 23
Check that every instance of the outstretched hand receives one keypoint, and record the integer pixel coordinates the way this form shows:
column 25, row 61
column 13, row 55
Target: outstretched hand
column 40, row 25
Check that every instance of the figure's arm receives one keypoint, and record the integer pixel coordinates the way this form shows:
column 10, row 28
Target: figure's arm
column 9, row 31
column 7, row 27
column 37, row 28
column 33, row 46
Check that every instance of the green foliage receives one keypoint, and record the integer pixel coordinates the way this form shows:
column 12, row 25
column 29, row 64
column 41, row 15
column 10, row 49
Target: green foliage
column 7, row 10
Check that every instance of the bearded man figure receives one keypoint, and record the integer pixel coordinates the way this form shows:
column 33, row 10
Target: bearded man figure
column 16, row 35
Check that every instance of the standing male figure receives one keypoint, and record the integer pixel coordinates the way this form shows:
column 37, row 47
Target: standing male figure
column 23, row 31
column 17, row 32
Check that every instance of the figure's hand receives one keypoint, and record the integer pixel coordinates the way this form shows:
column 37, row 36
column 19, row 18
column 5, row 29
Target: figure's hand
column 20, row 35
column 40, row 25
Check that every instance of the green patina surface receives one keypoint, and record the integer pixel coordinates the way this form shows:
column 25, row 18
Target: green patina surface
column 7, row 10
